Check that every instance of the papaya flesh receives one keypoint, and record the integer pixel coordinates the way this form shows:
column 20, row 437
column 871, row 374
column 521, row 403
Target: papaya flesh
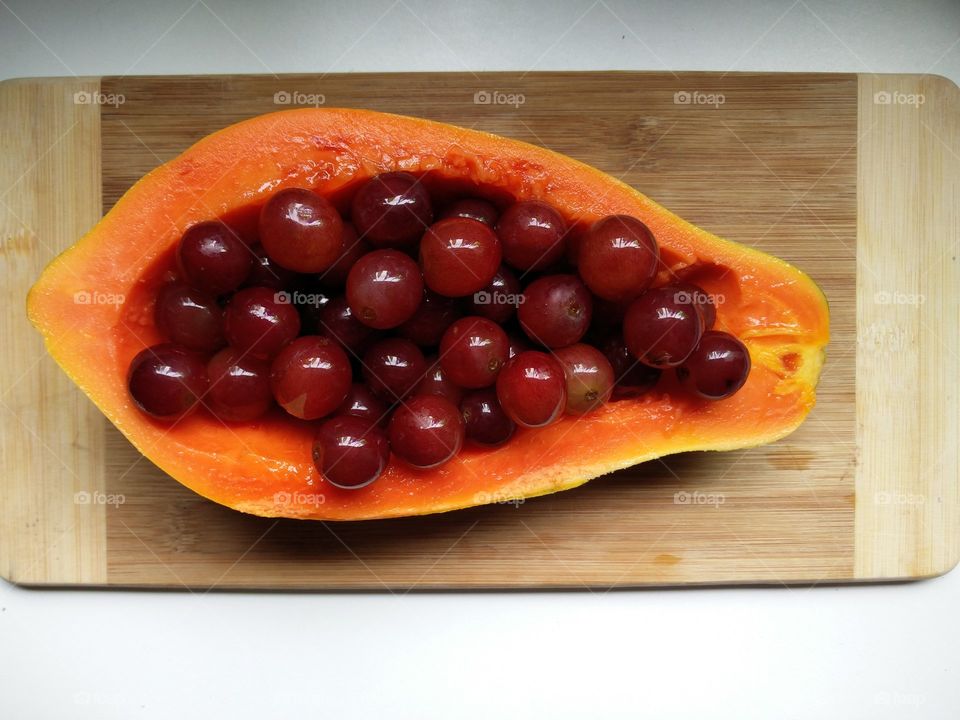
column 264, row 467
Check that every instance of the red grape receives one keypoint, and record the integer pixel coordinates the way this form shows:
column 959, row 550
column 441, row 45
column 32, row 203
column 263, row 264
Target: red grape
column 266, row 273
column 362, row 403
column 337, row 321
column 472, row 352
column 589, row 377
column 432, row 318
column 459, row 256
column 212, row 258
column 354, row 248
column 475, row 209
column 436, row 382
column 632, row 377
column 718, row 367
column 662, row 327
column 301, row 230
column 311, row 376
column 166, row 381
column 532, row 234
column 499, row 299
column 350, row 452
column 703, row 301
column 393, row 367
column 384, row 289
column 426, row 431
column 392, row 210
column 239, row 386
column 618, row 258
column 484, row 420
column 260, row 321
column 189, row 317
column 556, row 310
column 532, row 389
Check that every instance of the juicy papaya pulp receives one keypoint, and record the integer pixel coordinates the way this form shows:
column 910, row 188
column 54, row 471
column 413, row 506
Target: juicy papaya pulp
column 265, row 467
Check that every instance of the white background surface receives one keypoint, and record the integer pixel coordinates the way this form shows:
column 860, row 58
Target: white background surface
column 825, row 652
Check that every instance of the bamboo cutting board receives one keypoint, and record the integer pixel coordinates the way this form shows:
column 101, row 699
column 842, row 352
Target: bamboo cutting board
column 855, row 179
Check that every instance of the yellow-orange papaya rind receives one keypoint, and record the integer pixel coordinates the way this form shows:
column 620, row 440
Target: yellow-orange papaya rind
column 264, row 468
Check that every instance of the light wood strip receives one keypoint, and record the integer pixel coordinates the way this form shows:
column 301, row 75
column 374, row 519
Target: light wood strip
column 52, row 517
column 908, row 355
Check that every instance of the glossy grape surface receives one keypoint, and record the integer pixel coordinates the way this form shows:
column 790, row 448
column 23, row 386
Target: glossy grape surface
column 662, row 326
column 349, row 452
column 310, row 377
column 384, row 289
column 213, row 258
column 190, row 317
column 532, row 235
column 426, row 431
column 392, row 210
column 167, row 381
column 718, row 367
column 532, row 389
column 301, row 230
column 618, row 258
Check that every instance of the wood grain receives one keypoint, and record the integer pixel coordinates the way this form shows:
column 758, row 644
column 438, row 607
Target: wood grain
column 51, row 523
column 908, row 324
column 764, row 159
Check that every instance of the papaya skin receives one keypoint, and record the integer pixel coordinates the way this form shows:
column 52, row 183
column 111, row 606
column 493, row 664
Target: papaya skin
column 265, row 467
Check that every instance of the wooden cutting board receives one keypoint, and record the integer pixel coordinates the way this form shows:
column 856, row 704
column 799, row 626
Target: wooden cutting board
column 855, row 179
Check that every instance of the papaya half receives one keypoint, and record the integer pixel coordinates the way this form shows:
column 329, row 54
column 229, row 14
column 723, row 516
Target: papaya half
column 264, row 467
